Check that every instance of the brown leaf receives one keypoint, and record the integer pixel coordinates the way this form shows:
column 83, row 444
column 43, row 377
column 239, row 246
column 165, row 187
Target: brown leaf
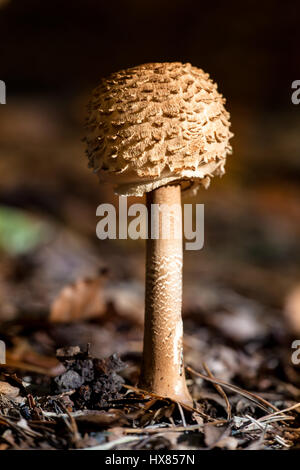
column 81, row 300
column 228, row 442
column 23, row 356
column 127, row 299
column 101, row 418
column 8, row 390
column 218, row 437
column 292, row 310
column 212, row 434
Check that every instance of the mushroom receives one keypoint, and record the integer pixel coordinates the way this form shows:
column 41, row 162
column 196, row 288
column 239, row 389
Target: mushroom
column 157, row 128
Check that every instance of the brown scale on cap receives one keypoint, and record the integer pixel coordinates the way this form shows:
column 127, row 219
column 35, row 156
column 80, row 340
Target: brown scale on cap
column 155, row 124
column 150, row 129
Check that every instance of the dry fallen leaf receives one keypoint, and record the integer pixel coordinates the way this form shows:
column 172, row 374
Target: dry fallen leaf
column 127, row 297
column 229, row 443
column 8, row 390
column 101, row 418
column 81, row 300
column 292, row 310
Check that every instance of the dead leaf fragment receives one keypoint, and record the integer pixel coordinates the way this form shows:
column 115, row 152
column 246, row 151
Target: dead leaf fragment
column 229, row 443
column 292, row 310
column 81, row 300
column 101, row 418
column 8, row 390
column 212, row 434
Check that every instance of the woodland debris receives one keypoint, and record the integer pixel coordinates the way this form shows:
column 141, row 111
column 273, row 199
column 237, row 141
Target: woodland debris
column 95, row 381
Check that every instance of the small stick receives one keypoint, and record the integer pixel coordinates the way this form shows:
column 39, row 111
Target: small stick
column 261, row 402
column 220, row 390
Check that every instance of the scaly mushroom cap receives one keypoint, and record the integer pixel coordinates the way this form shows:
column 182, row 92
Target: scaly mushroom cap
column 154, row 124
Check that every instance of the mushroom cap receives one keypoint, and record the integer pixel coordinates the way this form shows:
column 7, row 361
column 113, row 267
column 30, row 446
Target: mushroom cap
column 156, row 124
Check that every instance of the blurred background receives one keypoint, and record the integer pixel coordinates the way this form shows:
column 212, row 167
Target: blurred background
column 52, row 56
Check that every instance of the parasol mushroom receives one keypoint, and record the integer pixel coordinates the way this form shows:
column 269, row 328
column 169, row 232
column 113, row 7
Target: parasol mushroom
column 155, row 129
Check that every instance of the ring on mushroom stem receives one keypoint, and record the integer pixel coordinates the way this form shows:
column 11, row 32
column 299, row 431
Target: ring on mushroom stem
column 151, row 129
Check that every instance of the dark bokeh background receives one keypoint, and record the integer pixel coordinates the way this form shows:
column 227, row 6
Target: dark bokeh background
column 250, row 48
column 52, row 55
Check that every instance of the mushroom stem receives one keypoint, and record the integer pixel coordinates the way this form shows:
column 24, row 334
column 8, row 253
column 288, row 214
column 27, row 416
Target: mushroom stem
column 162, row 366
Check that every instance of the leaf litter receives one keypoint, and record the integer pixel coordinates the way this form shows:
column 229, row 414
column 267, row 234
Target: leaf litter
column 89, row 405
column 57, row 392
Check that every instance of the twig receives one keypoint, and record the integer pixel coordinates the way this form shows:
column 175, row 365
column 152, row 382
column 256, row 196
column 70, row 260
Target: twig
column 220, row 390
column 260, row 402
column 189, row 408
column 110, row 445
column 182, row 415
column 155, row 430
column 279, row 412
